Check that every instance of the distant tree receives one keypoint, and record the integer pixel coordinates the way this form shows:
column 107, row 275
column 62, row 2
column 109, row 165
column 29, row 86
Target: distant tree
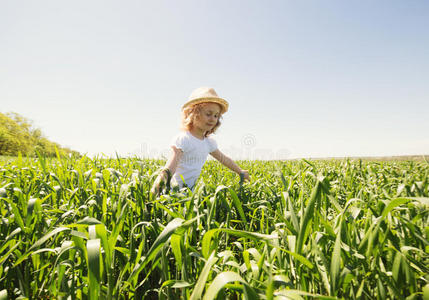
column 17, row 135
column 14, row 137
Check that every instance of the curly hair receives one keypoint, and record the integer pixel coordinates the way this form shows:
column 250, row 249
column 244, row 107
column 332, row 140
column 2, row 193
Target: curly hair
column 190, row 113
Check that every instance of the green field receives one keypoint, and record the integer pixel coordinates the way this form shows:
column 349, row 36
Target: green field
column 88, row 228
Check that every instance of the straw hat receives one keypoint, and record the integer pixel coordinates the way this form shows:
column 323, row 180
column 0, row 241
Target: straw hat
column 206, row 94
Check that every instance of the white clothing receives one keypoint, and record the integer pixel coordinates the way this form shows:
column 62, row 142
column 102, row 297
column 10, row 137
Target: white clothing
column 195, row 153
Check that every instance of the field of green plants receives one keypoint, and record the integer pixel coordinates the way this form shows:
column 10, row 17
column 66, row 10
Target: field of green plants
column 89, row 229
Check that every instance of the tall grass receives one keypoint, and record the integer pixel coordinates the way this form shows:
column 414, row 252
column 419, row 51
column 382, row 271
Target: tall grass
column 89, row 228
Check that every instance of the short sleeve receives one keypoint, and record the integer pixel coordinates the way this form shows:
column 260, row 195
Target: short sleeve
column 212, row 144
column 179, row 142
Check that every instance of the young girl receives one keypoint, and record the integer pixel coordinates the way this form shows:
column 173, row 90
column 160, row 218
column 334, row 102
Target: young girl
column 200, row 118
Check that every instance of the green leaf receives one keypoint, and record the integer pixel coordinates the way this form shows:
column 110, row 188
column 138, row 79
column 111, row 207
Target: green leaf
column 202, row 278
column 17, row 214
column 426, row 292
column 161, row 239
column 392, row 204
column 291, row 210
column 176, row 284
column 308, row 215
column 240, row 233
column 299, row 257
column 296, row 294
column 33, row 205
column 336, row 262
column 49, row 235
column 101, row 233
column 89, row 221
column 176, row 247
column 237, row 204
column 93, row 250
column 235, row 201
column 223, row 279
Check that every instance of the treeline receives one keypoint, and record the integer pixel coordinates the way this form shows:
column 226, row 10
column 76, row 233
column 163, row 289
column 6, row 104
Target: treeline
column 17, row 135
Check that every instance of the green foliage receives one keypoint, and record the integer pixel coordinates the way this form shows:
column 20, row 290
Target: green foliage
column 84, row 228
column 18, row 136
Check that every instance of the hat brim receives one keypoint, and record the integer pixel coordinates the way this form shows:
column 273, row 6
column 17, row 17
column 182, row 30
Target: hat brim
column 222, row 102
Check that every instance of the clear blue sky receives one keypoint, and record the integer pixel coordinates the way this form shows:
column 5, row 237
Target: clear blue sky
column 303, row 78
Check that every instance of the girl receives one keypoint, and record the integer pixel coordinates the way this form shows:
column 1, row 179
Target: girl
column 200, row 118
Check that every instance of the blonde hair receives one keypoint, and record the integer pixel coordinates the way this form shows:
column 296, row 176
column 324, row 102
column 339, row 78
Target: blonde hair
column 190, row 113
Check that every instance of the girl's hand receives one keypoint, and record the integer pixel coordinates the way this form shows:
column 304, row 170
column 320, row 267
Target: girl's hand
column 246, row 175
column 161, row 181
column 156, row 186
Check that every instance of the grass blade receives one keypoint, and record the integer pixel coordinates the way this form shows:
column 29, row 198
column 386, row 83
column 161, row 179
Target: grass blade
column 308, row 215
column 199, row 287
column 93, row 250
column 223, row 279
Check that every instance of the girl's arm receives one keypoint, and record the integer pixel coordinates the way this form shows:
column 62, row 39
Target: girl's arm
column 170, row 167
column 174, row 160
column 229, row 163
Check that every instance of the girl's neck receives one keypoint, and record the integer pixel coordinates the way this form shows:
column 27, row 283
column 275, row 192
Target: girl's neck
column 198, row 133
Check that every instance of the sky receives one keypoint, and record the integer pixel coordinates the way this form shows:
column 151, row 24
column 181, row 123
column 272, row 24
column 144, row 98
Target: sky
column 310, row 79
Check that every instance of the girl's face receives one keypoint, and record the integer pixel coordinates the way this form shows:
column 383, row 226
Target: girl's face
column 207, row 119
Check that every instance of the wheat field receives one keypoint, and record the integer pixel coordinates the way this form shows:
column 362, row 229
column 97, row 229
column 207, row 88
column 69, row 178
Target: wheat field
column 88, row 228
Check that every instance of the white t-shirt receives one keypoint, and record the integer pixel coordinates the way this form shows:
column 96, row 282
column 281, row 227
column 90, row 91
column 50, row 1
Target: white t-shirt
column 195, row 153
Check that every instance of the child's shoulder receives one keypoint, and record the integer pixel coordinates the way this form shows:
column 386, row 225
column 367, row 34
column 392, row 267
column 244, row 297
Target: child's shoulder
column 183, row 134
column 211, row 141
column 180, row 138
